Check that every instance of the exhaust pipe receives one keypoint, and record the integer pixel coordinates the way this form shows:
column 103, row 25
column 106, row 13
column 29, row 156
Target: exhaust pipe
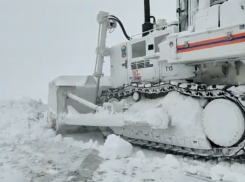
column 147, row 24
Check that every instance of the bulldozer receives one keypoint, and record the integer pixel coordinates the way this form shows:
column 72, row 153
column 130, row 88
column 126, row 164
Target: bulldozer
column 179, row 86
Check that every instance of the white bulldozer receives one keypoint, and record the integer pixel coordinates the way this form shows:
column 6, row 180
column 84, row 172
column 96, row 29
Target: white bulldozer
column 178, row 87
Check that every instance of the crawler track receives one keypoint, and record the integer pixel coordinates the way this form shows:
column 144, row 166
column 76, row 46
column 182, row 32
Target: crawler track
column 203, row 91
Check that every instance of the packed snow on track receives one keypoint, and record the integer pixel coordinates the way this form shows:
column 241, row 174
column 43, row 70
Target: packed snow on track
column 172, row 110
column 30, row 151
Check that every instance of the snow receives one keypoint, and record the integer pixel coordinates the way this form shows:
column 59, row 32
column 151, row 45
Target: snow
column 236, row 167
column 237, row 90
column 20, row 120
column 102, row 118
column 140, row 154
column 218, row 172
column 174, row 109
column 222, row 171
column 13, row 177
column 136, row 169
column 115, row 147
column 157, row 118
column 172, row 162
column 32, row 151
column 29, row 148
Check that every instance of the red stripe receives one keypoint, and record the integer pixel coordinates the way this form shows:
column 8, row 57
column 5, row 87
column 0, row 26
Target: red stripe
column 211, row 46
column 211, row 40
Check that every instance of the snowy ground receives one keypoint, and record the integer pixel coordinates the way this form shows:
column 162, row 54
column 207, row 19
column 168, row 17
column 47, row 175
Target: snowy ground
column 30, row 151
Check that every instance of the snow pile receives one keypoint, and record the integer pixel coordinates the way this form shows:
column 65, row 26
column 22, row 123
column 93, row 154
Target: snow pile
column 140, row 154
column 183, row 110
column 171, row 161
column 115, row 147
column 148, row 111
column 24, row 119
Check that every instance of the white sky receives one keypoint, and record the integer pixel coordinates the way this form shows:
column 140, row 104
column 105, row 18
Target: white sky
column 42, row 39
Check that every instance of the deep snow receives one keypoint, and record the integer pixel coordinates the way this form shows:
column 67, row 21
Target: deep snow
column 31, row 151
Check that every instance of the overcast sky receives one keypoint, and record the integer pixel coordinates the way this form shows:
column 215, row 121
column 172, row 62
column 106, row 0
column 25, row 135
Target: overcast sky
column 42, row 39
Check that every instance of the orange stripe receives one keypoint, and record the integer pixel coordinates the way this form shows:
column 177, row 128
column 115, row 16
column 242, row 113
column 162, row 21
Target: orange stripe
column 211, row 40
column 211, row 46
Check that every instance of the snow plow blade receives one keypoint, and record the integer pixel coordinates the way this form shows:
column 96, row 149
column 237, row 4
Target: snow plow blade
column 81, row 86
column 72, row 104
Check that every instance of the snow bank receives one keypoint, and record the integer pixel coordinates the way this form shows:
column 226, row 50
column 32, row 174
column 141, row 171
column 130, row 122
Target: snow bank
column 28, row 144
column 115, row 147
column 24, row 119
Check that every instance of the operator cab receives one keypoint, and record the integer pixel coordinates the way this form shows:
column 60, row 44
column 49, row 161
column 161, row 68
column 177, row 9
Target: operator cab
column 186, row 9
